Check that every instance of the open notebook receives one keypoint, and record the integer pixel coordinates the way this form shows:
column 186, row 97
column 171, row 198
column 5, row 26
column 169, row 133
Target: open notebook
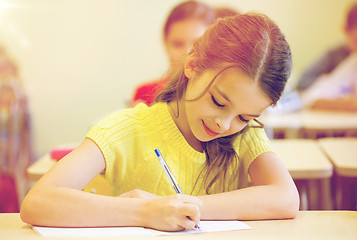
column 206, row 226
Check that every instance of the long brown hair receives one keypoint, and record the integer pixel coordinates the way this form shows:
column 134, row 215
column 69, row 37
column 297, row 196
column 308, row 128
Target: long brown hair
column 251, row 42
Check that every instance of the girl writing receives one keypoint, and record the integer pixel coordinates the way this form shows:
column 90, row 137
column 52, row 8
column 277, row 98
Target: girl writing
column 205, row 125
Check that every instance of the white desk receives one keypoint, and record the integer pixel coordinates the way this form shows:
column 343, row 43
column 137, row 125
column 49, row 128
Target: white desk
column 310, row 169
column 311, row 123
column 343, row 153
column 303, row 158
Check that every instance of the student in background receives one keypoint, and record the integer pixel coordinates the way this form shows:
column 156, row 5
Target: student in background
column 222, row 12
column 331, row 82
column 185, row 23
column 15, row 136
column 205, row 126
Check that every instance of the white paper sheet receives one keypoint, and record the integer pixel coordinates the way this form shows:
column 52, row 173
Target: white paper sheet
column 206, row 226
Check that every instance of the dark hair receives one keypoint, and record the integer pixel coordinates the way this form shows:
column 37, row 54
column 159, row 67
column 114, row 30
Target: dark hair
column 188, row 10
column 251, row 42
column 351, row 21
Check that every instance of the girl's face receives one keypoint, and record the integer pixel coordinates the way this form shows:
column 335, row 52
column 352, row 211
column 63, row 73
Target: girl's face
column 180, row 37
column 230, row 103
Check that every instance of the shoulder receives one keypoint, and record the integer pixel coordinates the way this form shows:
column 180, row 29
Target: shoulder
column 123, row 115
column 128, row 126
column 252, row 142
column 132, row 115
column 254, row 134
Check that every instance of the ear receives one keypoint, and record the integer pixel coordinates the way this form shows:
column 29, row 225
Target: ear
column 190, row 65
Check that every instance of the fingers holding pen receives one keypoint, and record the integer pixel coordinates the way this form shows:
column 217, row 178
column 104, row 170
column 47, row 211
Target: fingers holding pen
column 192, row 209
column 173, row 213
column 187, row 210
column 190, row 216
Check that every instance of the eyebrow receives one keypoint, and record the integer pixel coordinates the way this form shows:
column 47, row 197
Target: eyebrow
column 227, row 98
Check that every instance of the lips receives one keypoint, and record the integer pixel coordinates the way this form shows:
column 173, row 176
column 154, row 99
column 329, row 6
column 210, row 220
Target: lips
column 209, row 131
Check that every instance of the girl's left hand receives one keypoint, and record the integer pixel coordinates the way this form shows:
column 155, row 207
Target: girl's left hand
column 137, row 193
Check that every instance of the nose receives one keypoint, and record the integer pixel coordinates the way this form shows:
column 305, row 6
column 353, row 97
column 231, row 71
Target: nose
column 224, row 124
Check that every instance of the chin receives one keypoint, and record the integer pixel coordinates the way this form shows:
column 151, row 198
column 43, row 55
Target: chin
column 205, row 138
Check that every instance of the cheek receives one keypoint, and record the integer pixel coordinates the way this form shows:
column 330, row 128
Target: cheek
column 175, row 52
column 352, row 43
column 171, row 53
column 237, row 126
column 197, row 111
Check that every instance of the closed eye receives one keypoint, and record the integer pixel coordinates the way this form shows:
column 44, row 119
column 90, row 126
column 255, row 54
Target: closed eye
column 242, row 119
column 216, row 103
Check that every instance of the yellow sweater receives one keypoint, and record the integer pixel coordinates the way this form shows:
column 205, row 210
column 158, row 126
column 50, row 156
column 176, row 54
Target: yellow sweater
column 127, row 139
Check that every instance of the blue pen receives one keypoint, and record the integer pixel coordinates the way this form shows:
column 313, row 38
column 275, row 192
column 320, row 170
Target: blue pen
column 168, row 172
column 170, row 176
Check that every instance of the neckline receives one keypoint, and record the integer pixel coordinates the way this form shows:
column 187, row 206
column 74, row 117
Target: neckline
column 172, row 133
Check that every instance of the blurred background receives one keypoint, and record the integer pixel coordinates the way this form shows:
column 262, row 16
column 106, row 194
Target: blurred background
column 81, row 59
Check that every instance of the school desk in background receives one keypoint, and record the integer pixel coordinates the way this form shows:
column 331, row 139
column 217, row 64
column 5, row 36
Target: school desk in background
column 98, row 185
column 343, row 154
column 310, row 169
column 311, row 124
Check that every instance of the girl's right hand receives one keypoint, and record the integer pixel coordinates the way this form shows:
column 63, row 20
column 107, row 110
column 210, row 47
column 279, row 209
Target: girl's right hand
column 172, row 213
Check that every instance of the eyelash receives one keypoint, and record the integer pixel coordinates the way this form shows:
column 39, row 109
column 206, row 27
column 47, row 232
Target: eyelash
column 216, row 103
column 242, row 119
column 221, row 106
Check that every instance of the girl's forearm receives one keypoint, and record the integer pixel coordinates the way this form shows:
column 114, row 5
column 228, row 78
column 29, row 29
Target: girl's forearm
column 253, row 203
column 64, row 207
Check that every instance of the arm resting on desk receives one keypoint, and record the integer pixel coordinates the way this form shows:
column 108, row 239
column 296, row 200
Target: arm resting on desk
column 57, row 199
column 272, row 196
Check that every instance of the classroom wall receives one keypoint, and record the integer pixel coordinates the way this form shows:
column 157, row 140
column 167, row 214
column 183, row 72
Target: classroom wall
column 81, row 59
